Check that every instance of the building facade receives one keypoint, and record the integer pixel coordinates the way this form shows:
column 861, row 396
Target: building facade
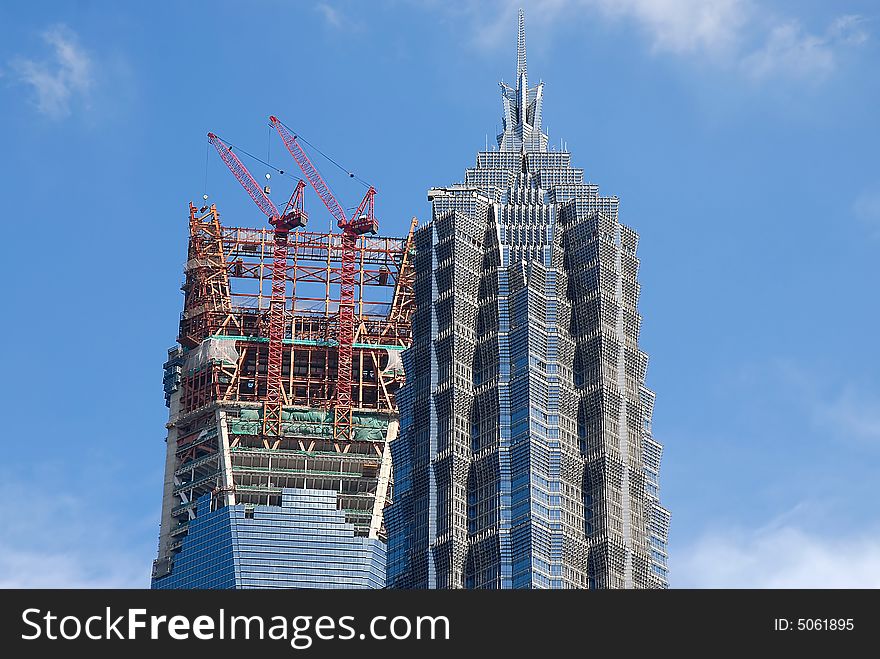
column 525, row 457
column 303, row 543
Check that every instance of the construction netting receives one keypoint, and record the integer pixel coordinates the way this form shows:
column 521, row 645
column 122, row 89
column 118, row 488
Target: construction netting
column 395, row 363
column 211, row 350
column 310, row 423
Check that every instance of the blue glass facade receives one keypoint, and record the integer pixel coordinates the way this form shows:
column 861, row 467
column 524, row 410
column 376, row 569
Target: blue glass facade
column 525, row 457
column 303, row 543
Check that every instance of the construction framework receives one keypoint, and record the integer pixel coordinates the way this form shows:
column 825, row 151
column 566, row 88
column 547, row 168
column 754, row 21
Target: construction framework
column 217, row 378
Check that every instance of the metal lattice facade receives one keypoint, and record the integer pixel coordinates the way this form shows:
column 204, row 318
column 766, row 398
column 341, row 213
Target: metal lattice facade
column 525, row 457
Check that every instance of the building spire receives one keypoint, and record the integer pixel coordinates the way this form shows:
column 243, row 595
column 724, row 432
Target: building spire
column 522, row 105
column 521, row 48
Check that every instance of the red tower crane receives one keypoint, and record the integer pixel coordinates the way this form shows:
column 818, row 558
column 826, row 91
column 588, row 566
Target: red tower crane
column 362, row 221
column 293, row 216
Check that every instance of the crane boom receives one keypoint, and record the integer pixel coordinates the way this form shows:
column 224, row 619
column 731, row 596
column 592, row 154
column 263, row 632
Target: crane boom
column 311, row 172
column 244, row 177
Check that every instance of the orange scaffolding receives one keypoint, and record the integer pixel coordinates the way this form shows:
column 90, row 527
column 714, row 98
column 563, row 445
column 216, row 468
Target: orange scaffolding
column 227, row 292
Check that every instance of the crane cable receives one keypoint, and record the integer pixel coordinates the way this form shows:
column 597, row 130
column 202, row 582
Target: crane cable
column 259, row 160
column 300, row 138
column 281, row 172
column 207, row 153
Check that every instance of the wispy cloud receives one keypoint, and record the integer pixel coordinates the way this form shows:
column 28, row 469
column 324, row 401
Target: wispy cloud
column 336, row 17
column 847, row 411
column 63, row 569
column 53, row 540
column 739, row 35
column 67, row 75
column 866, row 208
column 330, row 14
column 683, row 26
column 792, row 51
column 852, row 412
column 811, row 430
column 778, row 556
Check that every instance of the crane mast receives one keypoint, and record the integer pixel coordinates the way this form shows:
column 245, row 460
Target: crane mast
column 294, row 216
column 361, row 222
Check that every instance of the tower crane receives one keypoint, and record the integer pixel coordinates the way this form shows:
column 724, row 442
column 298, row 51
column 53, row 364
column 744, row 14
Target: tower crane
column 361, row 222
column 294, row 216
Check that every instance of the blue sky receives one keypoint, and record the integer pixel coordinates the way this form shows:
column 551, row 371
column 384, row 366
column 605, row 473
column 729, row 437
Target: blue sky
column 741, row 136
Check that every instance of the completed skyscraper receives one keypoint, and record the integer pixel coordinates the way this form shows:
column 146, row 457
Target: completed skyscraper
column 525, row 457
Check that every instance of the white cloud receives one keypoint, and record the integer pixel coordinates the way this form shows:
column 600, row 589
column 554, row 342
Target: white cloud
column 734, row 34
column 853, row 413
column 777, row 557
column 337, row 18
column 678, row 26
column 57, row 82
column 330, row 14
column 867, row 210
column 791, row 51
column 51, row 536
column 846, row 411
column 684, row 26
column 848, row 29
column 61, row 569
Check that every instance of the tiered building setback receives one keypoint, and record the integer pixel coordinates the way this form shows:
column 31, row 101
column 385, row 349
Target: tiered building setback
column 525, row 457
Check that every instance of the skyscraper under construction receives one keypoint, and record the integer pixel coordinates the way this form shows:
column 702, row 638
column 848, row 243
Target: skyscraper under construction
column 525, row 457
column 247, row 505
